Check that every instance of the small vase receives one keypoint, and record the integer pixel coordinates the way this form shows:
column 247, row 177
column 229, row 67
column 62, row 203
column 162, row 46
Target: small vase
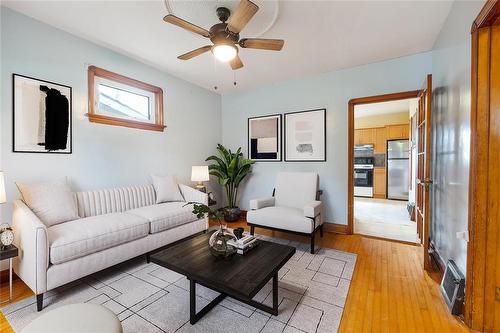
column 218, row 243
column 232, row 214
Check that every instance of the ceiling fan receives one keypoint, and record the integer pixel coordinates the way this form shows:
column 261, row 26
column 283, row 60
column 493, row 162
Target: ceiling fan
column 226, row 36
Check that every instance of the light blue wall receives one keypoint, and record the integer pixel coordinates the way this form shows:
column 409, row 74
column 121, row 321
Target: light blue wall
column 451, row 69
column 331, row 91
column 103, row 156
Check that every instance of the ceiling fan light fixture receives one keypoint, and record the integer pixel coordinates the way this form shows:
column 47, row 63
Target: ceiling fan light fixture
column 224, row 52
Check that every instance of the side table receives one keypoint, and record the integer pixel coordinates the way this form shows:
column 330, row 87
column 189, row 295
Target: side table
column 9, row 252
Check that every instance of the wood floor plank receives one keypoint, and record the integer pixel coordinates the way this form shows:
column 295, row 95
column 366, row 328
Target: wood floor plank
column 390, row 292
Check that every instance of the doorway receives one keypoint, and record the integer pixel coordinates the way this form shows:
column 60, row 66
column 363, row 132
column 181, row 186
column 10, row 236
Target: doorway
column 385, row 156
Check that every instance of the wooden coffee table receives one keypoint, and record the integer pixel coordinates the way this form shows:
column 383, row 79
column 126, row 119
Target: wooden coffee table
column 240, row 277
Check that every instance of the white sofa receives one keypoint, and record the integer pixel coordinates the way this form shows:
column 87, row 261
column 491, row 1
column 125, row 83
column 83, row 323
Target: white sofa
column 294, row 206
column 115, row 225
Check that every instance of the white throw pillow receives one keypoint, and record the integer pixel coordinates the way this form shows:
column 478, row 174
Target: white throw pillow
column 166, row 189
column 53, row 203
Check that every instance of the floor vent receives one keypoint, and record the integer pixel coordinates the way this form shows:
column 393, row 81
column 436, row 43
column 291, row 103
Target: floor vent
column 452, row 288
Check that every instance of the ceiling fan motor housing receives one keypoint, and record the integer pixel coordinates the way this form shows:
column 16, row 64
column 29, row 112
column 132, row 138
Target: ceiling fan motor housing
column 219, row 34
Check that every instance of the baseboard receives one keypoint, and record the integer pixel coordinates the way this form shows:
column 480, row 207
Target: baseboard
column 336, row 228
column 437, row 258
column 4, row 276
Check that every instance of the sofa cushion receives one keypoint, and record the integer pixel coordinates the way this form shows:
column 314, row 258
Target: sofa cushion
column 166, row 215
column 53, row 202
column 78, row 238
column 285, row 218
column 166, row 188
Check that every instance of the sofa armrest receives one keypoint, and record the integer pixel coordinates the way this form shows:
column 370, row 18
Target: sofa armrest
column 192, row 195
column 31, row 237
column 261, row 203
column 313, row 209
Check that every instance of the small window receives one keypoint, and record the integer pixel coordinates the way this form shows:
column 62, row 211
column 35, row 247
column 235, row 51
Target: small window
column 118, row 100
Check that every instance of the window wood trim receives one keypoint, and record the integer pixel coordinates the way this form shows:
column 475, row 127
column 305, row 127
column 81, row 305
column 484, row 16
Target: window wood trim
column 94, row 117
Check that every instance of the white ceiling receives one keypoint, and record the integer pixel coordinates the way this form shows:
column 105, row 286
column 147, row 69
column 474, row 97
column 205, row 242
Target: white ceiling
column 366, row 110
column 320, row 36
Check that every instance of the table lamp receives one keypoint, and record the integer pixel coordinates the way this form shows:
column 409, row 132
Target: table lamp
column 200, row 174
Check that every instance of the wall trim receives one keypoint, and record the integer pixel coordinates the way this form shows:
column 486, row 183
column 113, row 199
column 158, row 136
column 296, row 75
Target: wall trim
column 440, row 263
column 350, row 143
column 336, row 228
column 4, row 276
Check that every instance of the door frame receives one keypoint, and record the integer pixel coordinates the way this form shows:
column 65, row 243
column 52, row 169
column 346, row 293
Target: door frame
column 477, row 315
column 350, row 118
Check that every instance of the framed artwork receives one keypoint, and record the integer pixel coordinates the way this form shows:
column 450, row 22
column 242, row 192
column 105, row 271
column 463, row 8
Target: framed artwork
column 305, row 136
column 264, row 138
column 42, row 116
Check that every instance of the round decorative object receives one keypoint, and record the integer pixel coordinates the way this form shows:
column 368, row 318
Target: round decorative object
column 6, row 235
column 218, row 243
column 232, row 214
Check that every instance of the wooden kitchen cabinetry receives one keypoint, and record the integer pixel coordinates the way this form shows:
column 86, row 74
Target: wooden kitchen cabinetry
column 364, row 136
column 380, row 140
column 395, row 132
column 379, row 183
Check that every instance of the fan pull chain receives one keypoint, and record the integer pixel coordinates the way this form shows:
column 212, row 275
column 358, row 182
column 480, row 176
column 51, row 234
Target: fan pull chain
column 215, row 72
column 234, row 78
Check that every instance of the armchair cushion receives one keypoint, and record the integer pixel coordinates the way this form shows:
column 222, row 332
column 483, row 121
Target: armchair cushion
column 296, row 189
column 313, row 209
column 285, row 218
column 261, row 203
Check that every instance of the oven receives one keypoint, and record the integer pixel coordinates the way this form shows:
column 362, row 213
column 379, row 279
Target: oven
column 363, row 177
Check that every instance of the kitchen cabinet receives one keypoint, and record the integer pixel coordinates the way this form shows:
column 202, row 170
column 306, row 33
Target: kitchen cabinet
column 395, row 132
column 380, row 140
column 364, row 136
column 379, row 183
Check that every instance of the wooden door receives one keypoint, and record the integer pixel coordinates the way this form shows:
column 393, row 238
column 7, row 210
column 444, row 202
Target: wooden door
column 482, row 297
column 424, row 180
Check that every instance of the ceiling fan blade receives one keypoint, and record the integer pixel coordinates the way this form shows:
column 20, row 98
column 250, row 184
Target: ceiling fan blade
column 236, row 63
column 194, row 53
column 172, row 19
column 263, row 44
column 244, row 13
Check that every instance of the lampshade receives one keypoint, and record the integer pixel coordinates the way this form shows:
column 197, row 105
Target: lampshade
column 199, row 173
column 3, row 197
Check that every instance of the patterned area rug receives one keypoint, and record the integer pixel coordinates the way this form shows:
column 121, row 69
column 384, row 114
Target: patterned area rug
column 150, row 298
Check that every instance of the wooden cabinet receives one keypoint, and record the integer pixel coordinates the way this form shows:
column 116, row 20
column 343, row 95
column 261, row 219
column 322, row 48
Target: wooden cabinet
column 398, row 132
column 364, row 136
column 356, row 137
column 380, row 140
column 379, row 183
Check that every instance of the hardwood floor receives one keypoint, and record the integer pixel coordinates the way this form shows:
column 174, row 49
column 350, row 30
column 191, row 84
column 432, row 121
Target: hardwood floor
column 390, row 292
column 19, row 292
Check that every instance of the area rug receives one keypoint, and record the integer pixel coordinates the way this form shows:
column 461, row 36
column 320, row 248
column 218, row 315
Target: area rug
column 149, row 298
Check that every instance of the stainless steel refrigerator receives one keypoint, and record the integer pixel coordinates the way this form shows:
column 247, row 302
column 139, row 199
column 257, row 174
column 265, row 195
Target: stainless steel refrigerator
column 398, row 169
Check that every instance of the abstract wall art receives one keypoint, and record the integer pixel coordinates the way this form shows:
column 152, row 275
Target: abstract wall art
column 42, row 116
column 305, row 136
column 264, row 138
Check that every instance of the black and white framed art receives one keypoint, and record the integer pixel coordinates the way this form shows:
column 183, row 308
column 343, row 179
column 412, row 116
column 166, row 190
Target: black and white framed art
column 264, row 138
column 41, row 116
column 305, row 136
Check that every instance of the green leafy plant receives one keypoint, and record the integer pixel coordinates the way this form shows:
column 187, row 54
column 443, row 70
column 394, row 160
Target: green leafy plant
column 230, row 169
column 202, row 210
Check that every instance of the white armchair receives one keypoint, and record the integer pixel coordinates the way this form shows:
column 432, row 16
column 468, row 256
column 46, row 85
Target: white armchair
column 293, row 208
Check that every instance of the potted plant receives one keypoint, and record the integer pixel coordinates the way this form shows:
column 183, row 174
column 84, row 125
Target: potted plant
column 218, row 242
column 230, row 169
